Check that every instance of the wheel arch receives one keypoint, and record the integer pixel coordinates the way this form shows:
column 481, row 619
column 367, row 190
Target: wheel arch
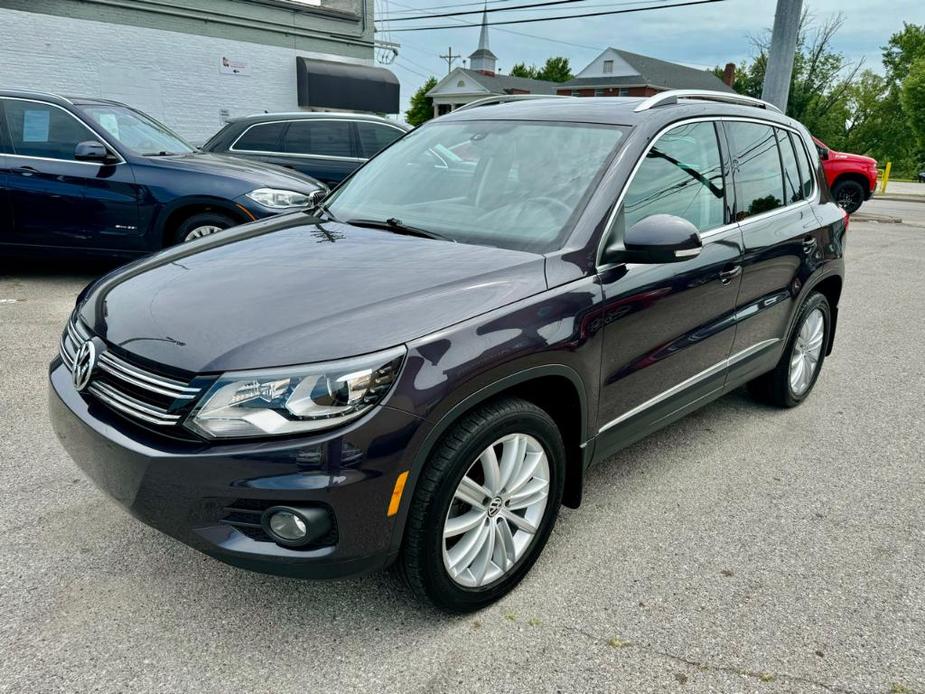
column 556, row 389
column 831, row 288
column 852, row 176
column 182, row 209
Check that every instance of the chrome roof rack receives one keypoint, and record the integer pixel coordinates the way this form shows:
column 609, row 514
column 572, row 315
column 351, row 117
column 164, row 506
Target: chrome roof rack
column 504, row 98
column 673, row 96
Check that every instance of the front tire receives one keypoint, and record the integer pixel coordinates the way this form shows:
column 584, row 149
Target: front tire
column 849, row 195
column 202, row 224
column 484, row 506
column 795, row 375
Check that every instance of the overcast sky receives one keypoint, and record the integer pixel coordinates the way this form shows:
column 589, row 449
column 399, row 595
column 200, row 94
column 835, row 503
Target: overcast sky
column 700, row 36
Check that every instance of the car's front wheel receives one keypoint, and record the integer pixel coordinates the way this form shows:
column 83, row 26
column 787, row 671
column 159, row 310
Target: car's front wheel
column 484, row 506
column 202, row 224
column 849, row 195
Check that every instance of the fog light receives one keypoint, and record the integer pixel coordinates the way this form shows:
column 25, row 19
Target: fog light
column 292, row 526
column 288, row 526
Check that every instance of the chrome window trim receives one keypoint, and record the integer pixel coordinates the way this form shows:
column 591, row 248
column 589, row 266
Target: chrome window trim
column 93, row 130
column 731, row 360
column 608, row 227
column 331, row 157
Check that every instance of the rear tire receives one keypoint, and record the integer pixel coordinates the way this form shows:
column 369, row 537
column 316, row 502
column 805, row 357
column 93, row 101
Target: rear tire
column 442, row 524
column 849, row 195
column 202, row 224
column 791, row 382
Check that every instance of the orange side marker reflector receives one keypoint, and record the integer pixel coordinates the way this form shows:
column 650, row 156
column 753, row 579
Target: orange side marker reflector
column 397, row 492
column 247, row 212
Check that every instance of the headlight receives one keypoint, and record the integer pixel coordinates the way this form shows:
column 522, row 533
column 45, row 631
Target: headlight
column 278, row 199
column 293, row 400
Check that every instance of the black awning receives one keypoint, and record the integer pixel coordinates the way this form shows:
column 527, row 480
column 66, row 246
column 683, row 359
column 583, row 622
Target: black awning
column 327, row 84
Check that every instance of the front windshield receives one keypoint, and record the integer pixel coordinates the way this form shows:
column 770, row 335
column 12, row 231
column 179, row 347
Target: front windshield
column 512, row 184
column 136, row 131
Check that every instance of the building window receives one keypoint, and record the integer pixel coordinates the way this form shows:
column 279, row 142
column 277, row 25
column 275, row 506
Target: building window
column 600, row 92
column 461, row 83
column 575, row 92
column 608, row 67
column 624, row 91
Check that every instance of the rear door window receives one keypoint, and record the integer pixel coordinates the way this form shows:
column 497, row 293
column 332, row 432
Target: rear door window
column 757, row 167
column 375, row 137
column 682, row 175
column 265, row 137
column 793, row 190
column 328, row 138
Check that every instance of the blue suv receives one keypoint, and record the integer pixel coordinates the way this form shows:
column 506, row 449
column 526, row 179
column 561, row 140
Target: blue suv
column 97, row 176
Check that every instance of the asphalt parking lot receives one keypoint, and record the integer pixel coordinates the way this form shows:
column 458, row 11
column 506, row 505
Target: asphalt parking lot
column 743, row 549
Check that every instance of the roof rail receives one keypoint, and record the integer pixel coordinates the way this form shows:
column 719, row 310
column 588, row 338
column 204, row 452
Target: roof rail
column 504, row 98
column 672, row 96
column 37, row 92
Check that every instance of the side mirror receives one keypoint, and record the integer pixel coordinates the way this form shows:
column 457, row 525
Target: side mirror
column 92, row 150
column 823, row 153
column 658, row 238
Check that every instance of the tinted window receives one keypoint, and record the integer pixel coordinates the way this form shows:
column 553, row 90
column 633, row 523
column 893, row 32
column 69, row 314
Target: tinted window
column 327, row 138
column 262, row 138
column 681, row 175
column 804, row 165
column 40, row 130
column 758, row 172
column 374, row 138
column 793, row 191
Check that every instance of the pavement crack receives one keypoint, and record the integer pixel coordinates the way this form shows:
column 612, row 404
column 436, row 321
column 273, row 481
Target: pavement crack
column 760, row 675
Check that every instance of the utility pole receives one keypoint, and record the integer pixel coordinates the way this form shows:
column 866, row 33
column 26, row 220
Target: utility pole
column 776, row 87
column 450, row 59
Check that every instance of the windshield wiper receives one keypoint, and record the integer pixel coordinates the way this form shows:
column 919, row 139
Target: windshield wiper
column 396, row 226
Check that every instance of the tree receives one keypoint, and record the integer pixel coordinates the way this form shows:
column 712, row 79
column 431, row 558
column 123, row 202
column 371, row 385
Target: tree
column 421, row 108
column 913, row 98
column 902, row 50
column 556, row 69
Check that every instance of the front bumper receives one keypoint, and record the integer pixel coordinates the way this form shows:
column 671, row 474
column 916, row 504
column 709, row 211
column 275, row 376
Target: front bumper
column 183, row 488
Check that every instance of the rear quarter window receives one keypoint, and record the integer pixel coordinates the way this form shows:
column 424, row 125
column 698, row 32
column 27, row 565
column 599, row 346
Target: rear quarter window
column 374, row 137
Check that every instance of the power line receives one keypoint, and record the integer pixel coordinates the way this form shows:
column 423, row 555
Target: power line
column 510, row 9
column 531, row 20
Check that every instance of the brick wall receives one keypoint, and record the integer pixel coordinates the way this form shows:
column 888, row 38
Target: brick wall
column 173, row 76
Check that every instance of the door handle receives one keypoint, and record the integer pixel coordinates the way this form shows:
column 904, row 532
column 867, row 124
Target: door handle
column 727, row 275
column 24, row 171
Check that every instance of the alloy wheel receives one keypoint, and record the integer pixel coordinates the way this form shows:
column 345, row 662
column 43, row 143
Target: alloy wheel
column 804, row 360
column 849, row 199
column 204, row 230
column 496, row 511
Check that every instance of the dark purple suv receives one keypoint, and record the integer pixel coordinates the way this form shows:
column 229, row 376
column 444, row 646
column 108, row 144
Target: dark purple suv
column 421, row 369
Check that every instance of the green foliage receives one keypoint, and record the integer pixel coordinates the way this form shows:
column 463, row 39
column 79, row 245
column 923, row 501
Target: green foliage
column 850, row 109
column 913, row 99
column 421, row 108
column 556, row 69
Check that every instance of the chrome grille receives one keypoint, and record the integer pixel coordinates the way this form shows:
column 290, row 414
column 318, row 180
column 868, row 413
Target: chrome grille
column 128, row 388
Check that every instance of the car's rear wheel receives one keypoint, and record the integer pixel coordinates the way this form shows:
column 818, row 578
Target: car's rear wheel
column 202, row 224
column 849, row 195
column 792, row 380
column 484, row 506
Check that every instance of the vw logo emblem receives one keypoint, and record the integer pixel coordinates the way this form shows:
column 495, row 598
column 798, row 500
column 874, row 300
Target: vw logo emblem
column 84, row 364
column 494, row 506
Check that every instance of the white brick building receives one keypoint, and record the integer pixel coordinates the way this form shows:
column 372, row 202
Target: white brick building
column 189, row 63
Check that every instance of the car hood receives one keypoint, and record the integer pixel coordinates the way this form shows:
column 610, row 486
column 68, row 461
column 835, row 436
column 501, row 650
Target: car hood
column 295, row 290
column 857, row 158
column 258, row 174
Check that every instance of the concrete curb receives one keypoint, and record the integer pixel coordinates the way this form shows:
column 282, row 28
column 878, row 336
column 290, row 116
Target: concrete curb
column 900, row 197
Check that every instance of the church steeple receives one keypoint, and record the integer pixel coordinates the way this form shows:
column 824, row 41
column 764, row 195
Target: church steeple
column 483, row 60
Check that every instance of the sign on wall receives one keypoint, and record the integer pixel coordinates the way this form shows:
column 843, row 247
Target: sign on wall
column 227, row 66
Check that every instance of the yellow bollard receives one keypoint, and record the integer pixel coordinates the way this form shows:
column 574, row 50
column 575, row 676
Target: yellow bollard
column 886, row 176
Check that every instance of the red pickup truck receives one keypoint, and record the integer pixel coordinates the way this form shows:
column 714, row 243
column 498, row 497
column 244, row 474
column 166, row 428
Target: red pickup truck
column 852, row 178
